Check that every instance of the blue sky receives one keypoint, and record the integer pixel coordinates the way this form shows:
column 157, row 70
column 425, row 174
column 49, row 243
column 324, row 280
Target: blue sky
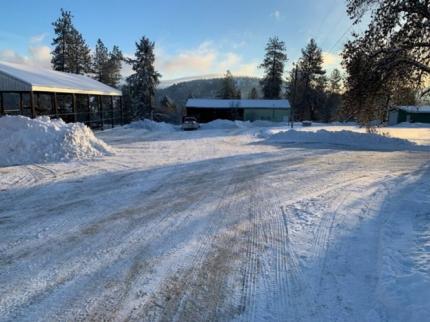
column 192, row 37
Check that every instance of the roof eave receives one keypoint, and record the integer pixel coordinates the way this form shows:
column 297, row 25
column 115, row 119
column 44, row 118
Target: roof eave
column 48, row 89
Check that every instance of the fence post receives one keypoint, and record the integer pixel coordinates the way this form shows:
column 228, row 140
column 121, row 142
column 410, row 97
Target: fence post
column 32, row 107
column 99, row 100
column 21, row 109
column 113, row 110
column 55, row 104
column 1, row 104
column 122, row 110
column 75, row 108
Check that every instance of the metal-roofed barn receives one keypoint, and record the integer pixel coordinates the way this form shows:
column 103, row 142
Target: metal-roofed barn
column 411, row 114
column 32, row 91
column 206, row 110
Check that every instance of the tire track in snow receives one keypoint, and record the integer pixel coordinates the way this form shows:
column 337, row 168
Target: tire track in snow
column 183, row 303
column 115, row 252
column 268, row 250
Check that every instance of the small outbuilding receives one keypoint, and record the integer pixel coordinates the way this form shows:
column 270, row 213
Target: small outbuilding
column 411, row 114
column 32, row 91
column 206, row 110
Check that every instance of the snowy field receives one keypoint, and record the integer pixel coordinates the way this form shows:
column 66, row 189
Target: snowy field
column 234, row 222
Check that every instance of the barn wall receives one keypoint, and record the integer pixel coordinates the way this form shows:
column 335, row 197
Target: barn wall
column 204, row 115
column 420, row 117
column 413, row 117
column 8, row 83
column 274, row 115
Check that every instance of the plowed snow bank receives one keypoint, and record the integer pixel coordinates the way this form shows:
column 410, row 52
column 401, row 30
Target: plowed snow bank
column 25, row 141
column 149, row 125
column 348, row 138
column 220, row 124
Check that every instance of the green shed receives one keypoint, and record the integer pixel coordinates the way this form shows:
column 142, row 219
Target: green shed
column 206, row 110
column 410, row 114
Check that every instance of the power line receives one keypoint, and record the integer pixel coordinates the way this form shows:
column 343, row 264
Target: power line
column 341, row 37
column 329, row 11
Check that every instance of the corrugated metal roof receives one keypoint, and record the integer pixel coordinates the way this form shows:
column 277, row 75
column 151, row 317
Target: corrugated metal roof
column 46, row 80
column 237, row 103
column 415, row 109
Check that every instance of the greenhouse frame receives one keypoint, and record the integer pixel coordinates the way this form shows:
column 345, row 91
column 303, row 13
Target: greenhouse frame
column 33, row 91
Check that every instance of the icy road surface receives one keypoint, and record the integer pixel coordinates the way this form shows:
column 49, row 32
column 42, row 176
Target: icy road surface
column 216, row 225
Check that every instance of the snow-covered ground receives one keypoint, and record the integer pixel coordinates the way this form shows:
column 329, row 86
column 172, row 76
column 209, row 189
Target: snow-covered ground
column 224, row 223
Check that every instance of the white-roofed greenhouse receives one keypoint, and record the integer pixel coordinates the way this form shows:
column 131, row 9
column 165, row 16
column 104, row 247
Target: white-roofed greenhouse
column 31, row 91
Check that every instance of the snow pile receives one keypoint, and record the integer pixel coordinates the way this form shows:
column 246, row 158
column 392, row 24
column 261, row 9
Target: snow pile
column 263, row 123
column 220, row 125
column 152, row 126
column 228, row 125
column 348, row 138
column 26, row 141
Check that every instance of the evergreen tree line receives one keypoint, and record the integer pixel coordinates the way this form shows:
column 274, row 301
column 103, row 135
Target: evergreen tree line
column 387, row 65
column 313, row 95
column 72, row 54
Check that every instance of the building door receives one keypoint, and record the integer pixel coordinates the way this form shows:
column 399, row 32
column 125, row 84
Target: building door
column 393, row 117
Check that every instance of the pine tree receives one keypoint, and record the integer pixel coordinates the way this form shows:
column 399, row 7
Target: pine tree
column 114, row 66
column 335, row 81
column 228, row 88
column 63, row 29
column 100, row 61
column 273, row 65
column 71, row 54
column 313, row 76
column 107, row 65
column 253, row 94
column 81, row 55
column 144, row 81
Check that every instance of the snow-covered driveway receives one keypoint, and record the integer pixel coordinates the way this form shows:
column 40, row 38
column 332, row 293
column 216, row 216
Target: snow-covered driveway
column 217, row 225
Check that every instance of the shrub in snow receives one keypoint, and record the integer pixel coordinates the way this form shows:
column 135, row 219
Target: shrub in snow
column 150, row 125
column 25, row 141
column 348, row 138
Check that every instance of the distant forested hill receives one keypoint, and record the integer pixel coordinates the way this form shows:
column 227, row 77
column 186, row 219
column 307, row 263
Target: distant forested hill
column 205, row 88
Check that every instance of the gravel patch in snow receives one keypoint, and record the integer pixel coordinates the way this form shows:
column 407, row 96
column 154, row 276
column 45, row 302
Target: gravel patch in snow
column 27, row 141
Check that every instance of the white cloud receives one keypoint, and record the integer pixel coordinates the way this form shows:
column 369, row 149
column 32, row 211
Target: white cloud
column 229, row 61
column 331, row 60
column 37, row 54
column 193, row 61
column 202, row 60
column 276, row 14
column 249, row 69
column 38, row 38
column 11, row 56
column 40, row 55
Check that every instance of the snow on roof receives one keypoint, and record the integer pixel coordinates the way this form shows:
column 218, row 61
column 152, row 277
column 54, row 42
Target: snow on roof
column 237, row 103
column 415, row 109
column 46, row 80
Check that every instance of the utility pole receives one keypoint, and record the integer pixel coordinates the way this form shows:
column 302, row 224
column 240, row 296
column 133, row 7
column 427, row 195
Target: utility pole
column 294, row 96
